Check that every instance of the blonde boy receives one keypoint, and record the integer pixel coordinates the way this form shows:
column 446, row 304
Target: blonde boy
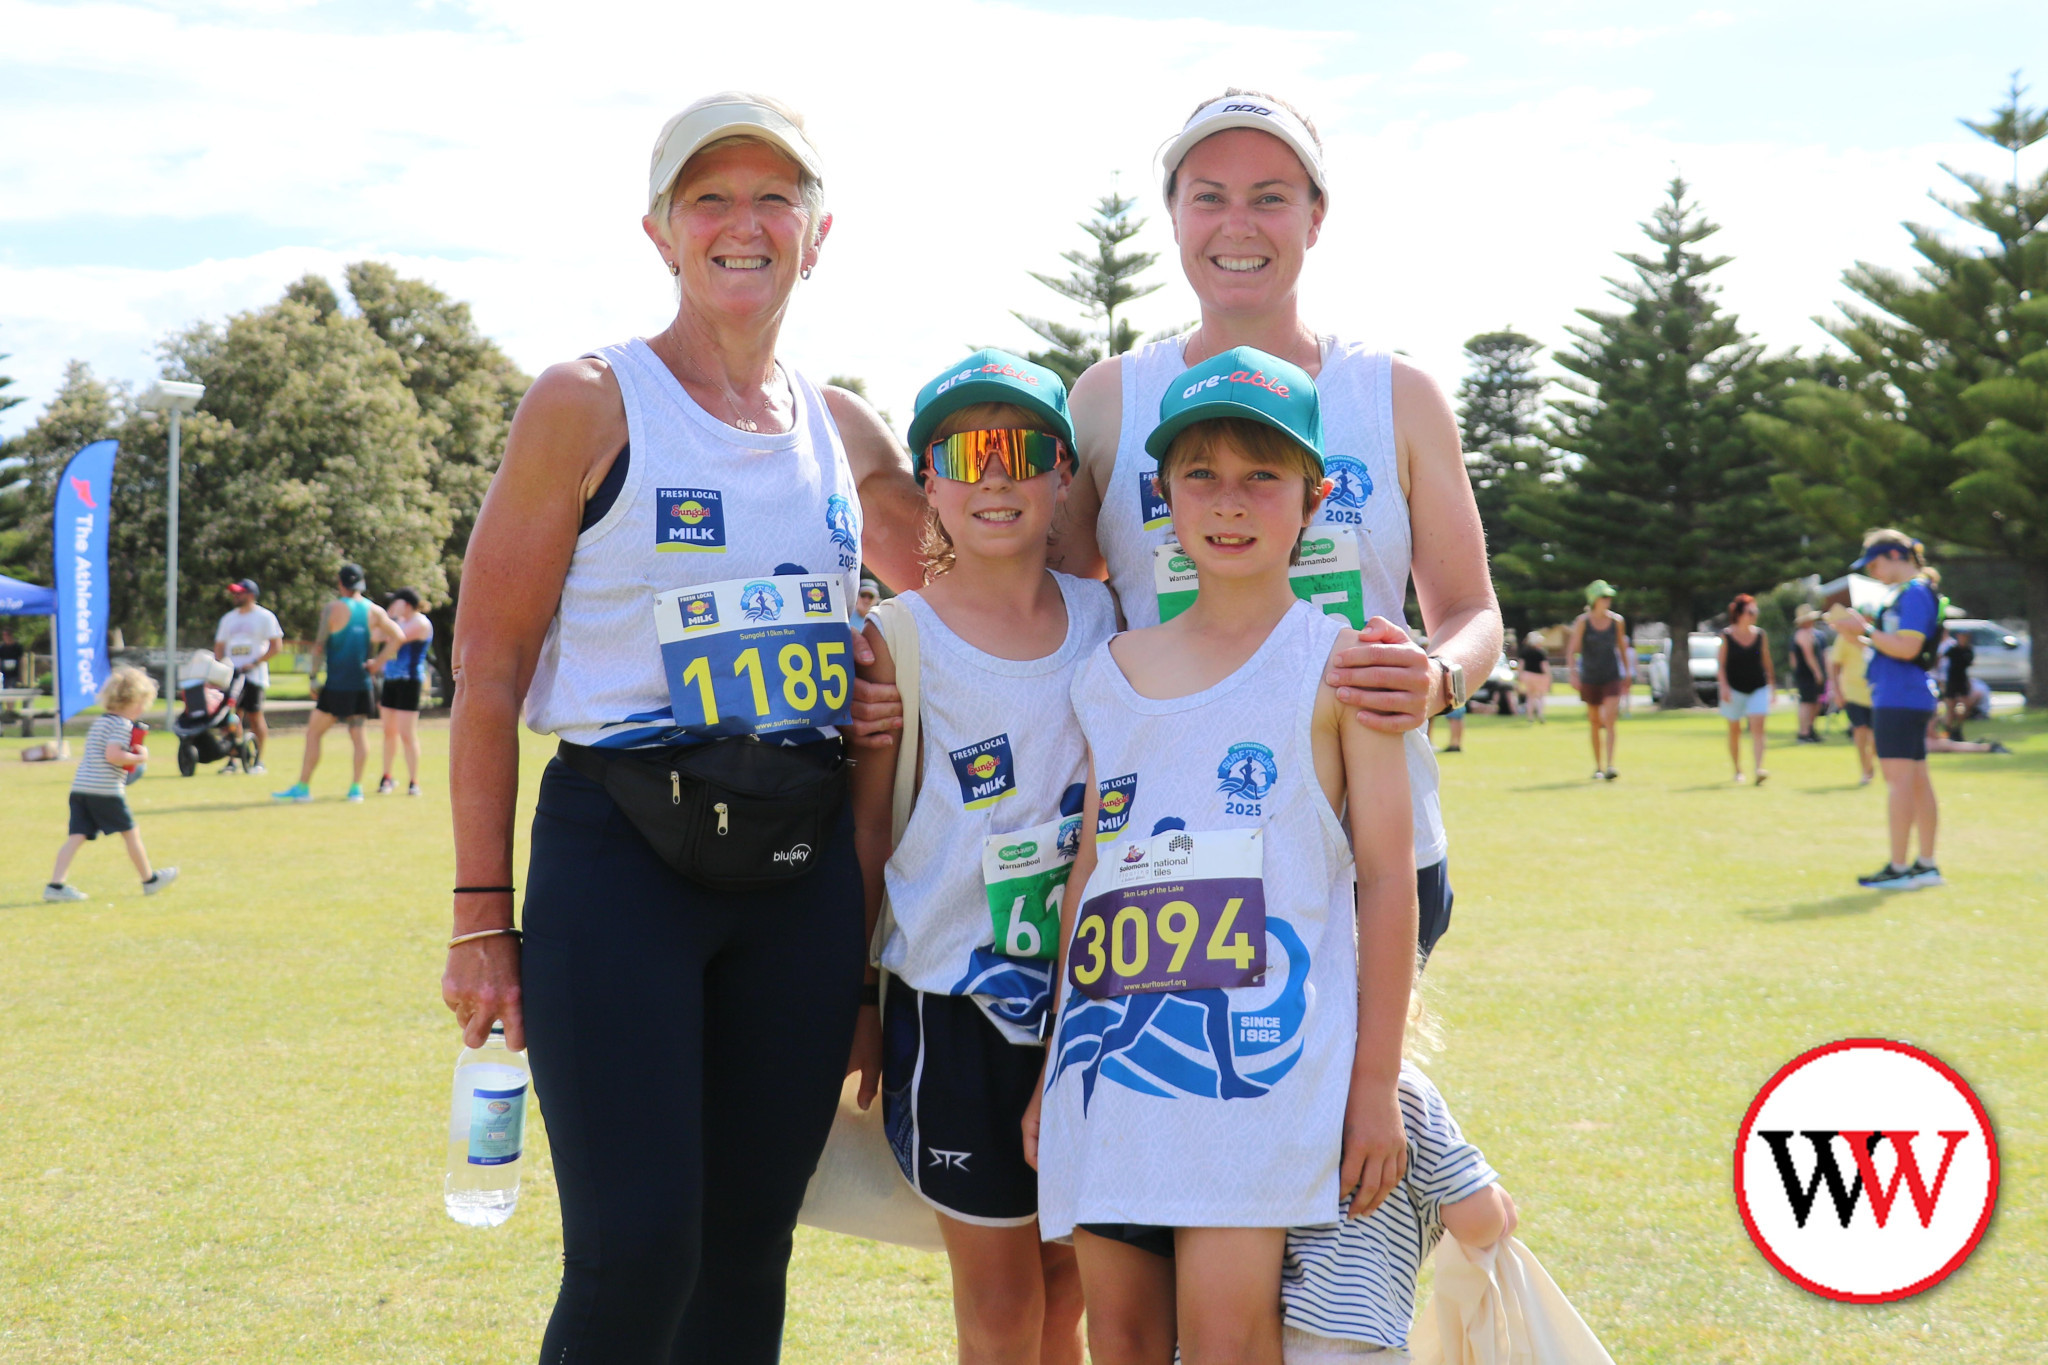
column 99, row 800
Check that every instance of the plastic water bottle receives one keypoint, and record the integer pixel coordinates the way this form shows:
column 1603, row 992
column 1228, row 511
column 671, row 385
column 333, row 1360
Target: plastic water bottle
column 486, row 1132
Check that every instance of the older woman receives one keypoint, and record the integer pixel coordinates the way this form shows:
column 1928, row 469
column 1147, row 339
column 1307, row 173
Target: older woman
column 690, row 981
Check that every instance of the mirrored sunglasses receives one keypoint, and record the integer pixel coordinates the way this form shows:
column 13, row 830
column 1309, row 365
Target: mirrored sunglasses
column 966, row 455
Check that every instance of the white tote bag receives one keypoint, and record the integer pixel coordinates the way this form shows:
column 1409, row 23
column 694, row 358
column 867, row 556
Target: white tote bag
column 1497, row 1306
column 858, row 1188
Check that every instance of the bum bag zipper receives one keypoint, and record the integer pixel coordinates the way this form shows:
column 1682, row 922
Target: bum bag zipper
column 720, row 808
column 675, row 788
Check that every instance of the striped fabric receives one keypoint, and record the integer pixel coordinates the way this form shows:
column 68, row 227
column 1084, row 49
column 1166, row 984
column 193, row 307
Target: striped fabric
column 1356, row 1279
column 95, row 775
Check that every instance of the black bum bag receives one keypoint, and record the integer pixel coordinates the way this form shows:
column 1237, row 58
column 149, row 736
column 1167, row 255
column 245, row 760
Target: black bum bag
column 731, row 814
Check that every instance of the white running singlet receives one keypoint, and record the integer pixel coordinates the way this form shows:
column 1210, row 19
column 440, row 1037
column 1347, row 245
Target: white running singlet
column 1214, row 1107
column 1002, row 753
column 1356, row 392
column 701, row 502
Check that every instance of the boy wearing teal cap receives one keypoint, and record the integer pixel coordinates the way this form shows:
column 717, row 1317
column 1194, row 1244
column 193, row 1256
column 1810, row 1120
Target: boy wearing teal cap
column 1227, row 1052
column 994, row 817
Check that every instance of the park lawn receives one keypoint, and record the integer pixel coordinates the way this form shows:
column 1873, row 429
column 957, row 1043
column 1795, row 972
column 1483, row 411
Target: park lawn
column 223, row 1106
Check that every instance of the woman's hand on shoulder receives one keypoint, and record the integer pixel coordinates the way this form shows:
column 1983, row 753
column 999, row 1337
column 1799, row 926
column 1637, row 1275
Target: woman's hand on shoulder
column 1385, row 675
column 877, row 701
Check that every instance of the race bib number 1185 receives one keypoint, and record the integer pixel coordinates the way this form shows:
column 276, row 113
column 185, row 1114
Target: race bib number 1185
column 756, row 655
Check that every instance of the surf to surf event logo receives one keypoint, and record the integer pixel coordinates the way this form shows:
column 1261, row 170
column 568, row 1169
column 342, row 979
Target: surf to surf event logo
column 1866, row 1170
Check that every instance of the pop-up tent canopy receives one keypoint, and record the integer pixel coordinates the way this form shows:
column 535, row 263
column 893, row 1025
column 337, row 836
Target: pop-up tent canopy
column 25, row 599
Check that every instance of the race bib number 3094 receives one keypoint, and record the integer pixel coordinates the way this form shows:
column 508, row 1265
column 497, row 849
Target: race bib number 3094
column 1186, row 910
column 757, row 655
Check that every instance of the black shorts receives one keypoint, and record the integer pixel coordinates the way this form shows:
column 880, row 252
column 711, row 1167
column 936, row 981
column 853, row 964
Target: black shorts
column 1808, row 686
column 94, row 814
column 954, row 1092
column 1859, row 715
column 251, row 700
column 400, row 694
column 1957, row 689
column 352, row 704
column 1901, row 731
column 1144, row 1236
column 1432, row 904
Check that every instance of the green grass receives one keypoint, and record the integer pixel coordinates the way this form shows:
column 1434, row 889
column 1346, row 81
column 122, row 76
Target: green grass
column 222, row 1107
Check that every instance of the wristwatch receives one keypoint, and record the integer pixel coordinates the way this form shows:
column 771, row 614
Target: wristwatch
column 1454, row 678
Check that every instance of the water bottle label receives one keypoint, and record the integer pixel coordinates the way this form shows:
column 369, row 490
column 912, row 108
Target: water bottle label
column 497, row 1120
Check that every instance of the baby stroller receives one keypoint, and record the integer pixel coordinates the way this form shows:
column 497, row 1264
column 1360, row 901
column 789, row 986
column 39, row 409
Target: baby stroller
column 206, row 725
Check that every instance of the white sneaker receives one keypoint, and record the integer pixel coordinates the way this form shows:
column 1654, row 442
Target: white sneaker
column 66, row 892
column 159, row 879
column 412, row 789
column 258, row 768
column 227, row 768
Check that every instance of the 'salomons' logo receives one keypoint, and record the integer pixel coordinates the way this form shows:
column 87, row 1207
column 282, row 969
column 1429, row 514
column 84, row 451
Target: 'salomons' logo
column 689, row 519
column 1832, row 1143
column 1134, row 853
column 761, row 600
column 1247, row 771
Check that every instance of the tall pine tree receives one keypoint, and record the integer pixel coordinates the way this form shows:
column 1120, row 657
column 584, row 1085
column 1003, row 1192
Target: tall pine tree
column 1939, row 421
column 1500, row 410
column 1668, row 494
column 1102, row 283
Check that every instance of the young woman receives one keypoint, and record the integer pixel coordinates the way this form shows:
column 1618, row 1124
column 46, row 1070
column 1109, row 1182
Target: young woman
column 1238, row 960
column 1903, row 694
column 995, row 820
column 399, row 700
column 1596, row 661
column 1535, row 677
column 1807, row 672
column 1746, row 678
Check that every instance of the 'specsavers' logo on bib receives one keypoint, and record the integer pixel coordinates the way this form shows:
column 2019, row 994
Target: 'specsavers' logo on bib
column 1350, row 486
column 699, row 609
column 986, row 772
column 689, row 519
column 817, row 598
column 1113, row 808
column 761, row 600
column 1247, row 772
column 1866, row 1170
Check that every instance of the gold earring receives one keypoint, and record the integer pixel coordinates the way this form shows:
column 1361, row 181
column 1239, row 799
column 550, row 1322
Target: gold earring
column 674, row 269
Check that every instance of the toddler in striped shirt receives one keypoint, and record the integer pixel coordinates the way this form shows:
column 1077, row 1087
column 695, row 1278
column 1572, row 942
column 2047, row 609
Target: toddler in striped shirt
column 99, row 800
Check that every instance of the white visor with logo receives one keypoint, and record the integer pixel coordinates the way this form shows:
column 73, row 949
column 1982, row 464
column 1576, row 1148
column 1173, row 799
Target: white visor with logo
column 717, row 117
column 1244, row 111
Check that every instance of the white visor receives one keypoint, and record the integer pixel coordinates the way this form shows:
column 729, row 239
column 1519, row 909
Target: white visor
column 1244, row 111
column 723, row 116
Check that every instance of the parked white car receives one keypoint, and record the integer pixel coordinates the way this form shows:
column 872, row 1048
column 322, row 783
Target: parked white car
column 2004, row 660
column 1703, row 662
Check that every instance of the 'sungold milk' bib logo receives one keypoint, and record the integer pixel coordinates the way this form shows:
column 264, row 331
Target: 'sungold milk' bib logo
column 986, row 772
column 689, row 519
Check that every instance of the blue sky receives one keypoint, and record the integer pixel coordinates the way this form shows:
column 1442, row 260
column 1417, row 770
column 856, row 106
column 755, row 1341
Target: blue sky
column 160, row 164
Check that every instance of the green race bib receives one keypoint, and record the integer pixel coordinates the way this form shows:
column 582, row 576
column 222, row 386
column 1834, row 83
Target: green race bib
column 1327, row 577
column 1025, row 873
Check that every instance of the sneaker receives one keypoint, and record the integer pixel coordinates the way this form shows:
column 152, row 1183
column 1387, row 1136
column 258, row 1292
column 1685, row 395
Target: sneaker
column 412, row 789
column 1761, row 774
column 1454, row 748
column 1890, row 877
column 297, row 791
column 1926, row 873
column 63, row 892
column 1599, row 776
column 1998, row 748
column 258, row 768
column 1863, row 781
column 1739, row 779
column 159, row 879
column 227, row 767
column 386, row 787
column 1611, row 775
column 355, row 791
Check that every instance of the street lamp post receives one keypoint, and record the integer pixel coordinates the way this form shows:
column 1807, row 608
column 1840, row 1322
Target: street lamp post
column 174, row 398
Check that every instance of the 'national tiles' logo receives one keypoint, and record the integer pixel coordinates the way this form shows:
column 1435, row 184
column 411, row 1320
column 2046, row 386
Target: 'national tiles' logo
column 1830, row 1145
column 689, row 519
column 986, row 772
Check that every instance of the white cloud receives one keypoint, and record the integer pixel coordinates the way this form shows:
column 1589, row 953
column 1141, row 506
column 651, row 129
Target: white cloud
column 965, row 138
column 1436, row 63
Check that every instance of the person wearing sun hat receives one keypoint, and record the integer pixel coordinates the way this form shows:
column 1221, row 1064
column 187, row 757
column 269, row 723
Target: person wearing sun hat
column 1247, row 188
column 1809, row 674
column 1596, row 662
column 248, row 638
column 1165, row 1142
column 688, row 1040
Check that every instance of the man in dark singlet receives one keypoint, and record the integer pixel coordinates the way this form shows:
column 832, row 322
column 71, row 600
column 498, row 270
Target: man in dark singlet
column 1594, row 656
column 347, row 627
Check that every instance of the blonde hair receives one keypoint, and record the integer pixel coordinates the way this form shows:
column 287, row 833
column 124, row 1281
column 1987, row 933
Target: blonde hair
column 1888, row 535
column 934, row 544
column 1255, row 441
column 125, row 686
column 808, row 187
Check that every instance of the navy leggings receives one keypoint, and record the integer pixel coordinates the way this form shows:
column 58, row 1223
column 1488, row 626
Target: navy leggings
column 687, row 1049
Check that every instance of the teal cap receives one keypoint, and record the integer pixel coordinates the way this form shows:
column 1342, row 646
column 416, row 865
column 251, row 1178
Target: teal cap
column 1247, row 383
column 990, row 376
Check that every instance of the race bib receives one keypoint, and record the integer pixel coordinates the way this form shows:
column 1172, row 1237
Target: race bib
column 1026, row 874
column 1187, row 911
column 756, row 655
column 242, row 650
column 1327, row 577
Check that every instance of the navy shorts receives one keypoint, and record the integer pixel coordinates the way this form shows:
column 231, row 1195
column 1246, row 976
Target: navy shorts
column 1433, row 904
column 1859, row 715
column 94, row 814
column 954, row 1092
column 400, row 694
column 1901, row 732
column 352, row 705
